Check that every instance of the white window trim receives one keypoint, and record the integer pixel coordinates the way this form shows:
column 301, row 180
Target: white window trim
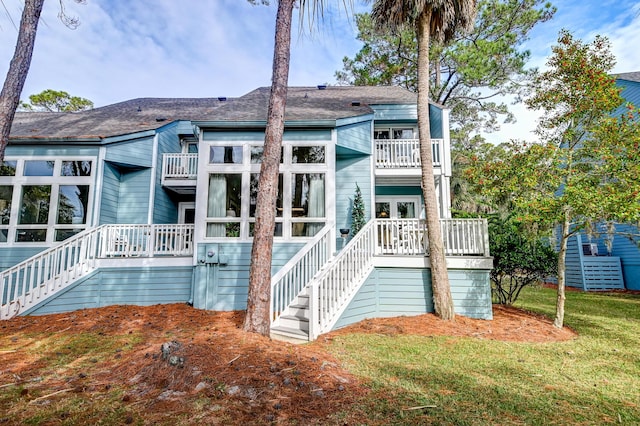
column 287, row 168
column 54, row 181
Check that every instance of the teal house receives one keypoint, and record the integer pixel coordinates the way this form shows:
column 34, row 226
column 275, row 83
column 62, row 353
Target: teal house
column 152, row 201
column 610, row 260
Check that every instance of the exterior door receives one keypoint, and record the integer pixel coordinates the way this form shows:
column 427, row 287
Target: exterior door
column 187, row 213
column 404, row 207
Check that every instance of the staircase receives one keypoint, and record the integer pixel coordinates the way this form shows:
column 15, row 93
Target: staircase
column 316, row 301
column 41, row 277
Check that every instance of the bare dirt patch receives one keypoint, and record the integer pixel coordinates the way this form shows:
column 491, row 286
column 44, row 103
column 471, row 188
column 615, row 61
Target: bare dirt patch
column 214, row 373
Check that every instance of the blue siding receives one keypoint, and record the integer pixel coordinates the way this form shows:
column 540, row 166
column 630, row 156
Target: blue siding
column 10, row 256
column 60, row 151
column 349, row 172
column 225, row 286
column 407, row 291
column 398, row 190
column 110, row 194
column 356, row 137
column 395, row 112
column 165, row 209
column 630, row 92
column 123, row 286
column 133, row 199
column 131, row 153
column 573, row 262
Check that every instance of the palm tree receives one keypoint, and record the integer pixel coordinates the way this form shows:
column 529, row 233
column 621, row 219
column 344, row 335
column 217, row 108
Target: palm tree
column 18, row 69
column 439, row 19
column 259, row 299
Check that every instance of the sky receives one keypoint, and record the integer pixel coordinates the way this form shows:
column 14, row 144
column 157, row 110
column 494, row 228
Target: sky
column 127, row 49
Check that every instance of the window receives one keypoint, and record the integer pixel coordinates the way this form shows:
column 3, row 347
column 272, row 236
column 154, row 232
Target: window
column 395, row 133
column 233, row 190
column 44, row 200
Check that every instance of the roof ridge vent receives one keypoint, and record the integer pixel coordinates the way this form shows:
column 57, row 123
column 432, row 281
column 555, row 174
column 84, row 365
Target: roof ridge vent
column 322, row 86
column 222, row 98
column 355, row 103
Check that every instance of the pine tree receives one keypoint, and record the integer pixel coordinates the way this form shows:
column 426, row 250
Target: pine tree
column 357, row 213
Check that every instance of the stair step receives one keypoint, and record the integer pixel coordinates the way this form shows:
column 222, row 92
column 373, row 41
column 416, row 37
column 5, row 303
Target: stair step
column 294, row 322
column 299, row 311
column 290, row 335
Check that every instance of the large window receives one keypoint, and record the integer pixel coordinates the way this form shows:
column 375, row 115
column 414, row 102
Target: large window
column 44, row 200
column 233, row 190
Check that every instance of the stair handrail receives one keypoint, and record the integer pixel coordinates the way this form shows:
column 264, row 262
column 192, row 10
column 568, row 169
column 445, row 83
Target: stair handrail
column 24, row 285
column 294, row 276
column 28, row 283
column 333, row 288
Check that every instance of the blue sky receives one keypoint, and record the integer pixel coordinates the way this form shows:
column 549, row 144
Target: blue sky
column 209, row 48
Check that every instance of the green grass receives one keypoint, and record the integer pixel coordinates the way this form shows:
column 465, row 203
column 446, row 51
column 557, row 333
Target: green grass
column 591, row 380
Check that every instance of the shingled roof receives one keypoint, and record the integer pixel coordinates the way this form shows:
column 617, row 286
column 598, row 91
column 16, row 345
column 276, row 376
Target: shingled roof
column 303, row 103
column 630, row 76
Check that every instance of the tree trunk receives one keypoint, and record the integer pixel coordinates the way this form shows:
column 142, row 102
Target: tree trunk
column 442, row 301
column 258, row 318
column 18, row 69
column 562, row 255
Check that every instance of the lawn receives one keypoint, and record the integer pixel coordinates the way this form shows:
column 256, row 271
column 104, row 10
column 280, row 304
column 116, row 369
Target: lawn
column 591, row 380
column 104, row 366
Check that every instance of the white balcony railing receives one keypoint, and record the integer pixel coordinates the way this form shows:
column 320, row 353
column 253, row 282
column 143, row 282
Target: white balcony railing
column 405, row 153
column 33, row 280
column 179, row 166
column 460, row 237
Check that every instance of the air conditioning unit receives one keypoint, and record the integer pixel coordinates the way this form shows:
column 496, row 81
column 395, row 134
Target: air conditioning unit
column 590, row 249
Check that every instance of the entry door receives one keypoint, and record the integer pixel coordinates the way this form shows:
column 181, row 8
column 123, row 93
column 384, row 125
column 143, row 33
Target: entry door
column 187, row 213
column 398, row 207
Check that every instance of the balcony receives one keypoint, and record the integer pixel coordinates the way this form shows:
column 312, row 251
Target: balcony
column 179, row 172
column 398, row 160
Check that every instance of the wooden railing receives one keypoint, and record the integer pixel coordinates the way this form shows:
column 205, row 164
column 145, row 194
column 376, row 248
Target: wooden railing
column 404, row 153
column 289, row 281
column 460, row 237
column 179, row 166
column 33, row 280
column 333, row 288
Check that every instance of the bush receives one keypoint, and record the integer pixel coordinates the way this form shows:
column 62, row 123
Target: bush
column 519, row 260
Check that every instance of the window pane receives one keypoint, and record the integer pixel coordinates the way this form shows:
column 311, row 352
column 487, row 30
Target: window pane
column 76, row 168
column 305, row 229
column 35, row 204
column 63, row 234
column 3, row 235
column 225, row 198
column 225, row 154
column 406, row 210
column 8, row 168
column 253, row 195
column 383, row 210
column 307, row 195
column 27, row 235
column 256, row 154
column 72, row 204
column 6, row 193
column 381, row 134
column 403, row 133
column 38, row 168
column 307, row 154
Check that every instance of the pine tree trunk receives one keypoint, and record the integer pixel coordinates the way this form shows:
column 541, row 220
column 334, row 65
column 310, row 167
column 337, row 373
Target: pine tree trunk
column 18, row 69
column 258, row 319
column 442, row 301
column 562, row 268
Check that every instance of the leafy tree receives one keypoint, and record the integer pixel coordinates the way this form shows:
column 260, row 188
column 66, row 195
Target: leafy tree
column 20, row 63
column 439, row 20
column 357, row 213
column 587, row 169
column 519, row 259
column 56, row 101
column 468, row 74
column 258, row 302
